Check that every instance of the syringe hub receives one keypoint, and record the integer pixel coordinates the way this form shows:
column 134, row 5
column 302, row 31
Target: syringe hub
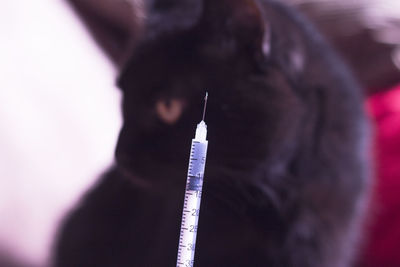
column 201, row 132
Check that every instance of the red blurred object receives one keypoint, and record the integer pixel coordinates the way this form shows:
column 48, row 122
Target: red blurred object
column 383, row 240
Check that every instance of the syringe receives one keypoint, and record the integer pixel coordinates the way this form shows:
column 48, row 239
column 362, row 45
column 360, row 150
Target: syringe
column 194, row 185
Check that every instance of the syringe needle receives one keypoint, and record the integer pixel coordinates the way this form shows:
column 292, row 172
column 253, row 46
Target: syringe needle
column 205, row 105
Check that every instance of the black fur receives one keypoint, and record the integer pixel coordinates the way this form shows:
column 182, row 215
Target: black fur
column 286, row 173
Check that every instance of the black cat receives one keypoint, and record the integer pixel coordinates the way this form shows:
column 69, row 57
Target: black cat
column 286, row 175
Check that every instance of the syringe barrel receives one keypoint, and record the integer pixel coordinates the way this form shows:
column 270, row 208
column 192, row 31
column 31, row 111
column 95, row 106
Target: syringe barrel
column 191, row 204
column 197, row 163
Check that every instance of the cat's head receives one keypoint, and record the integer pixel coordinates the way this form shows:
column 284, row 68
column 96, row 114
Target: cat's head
column 222, row 47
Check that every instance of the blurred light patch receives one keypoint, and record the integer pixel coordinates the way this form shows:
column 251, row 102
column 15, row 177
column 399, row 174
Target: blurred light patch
column 59, row 119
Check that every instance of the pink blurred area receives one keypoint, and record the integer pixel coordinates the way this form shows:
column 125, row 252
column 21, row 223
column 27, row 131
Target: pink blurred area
column 382, row 244
column 59, row 120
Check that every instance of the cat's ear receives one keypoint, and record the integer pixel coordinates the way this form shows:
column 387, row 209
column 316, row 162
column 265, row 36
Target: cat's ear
column 164, row 17
column 233, row 27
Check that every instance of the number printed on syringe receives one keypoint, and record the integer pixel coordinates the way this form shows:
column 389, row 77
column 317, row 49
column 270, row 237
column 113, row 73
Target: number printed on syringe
column 191, row 205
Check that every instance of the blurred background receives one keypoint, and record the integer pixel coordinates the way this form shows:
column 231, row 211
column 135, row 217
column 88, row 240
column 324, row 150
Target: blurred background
column 59, row 120
column 59, row 109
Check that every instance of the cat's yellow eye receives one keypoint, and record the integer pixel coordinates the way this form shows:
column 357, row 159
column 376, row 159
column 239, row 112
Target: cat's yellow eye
column 169, row 111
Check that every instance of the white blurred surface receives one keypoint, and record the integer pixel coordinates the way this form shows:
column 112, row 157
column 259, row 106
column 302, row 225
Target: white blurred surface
column 59, row 120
